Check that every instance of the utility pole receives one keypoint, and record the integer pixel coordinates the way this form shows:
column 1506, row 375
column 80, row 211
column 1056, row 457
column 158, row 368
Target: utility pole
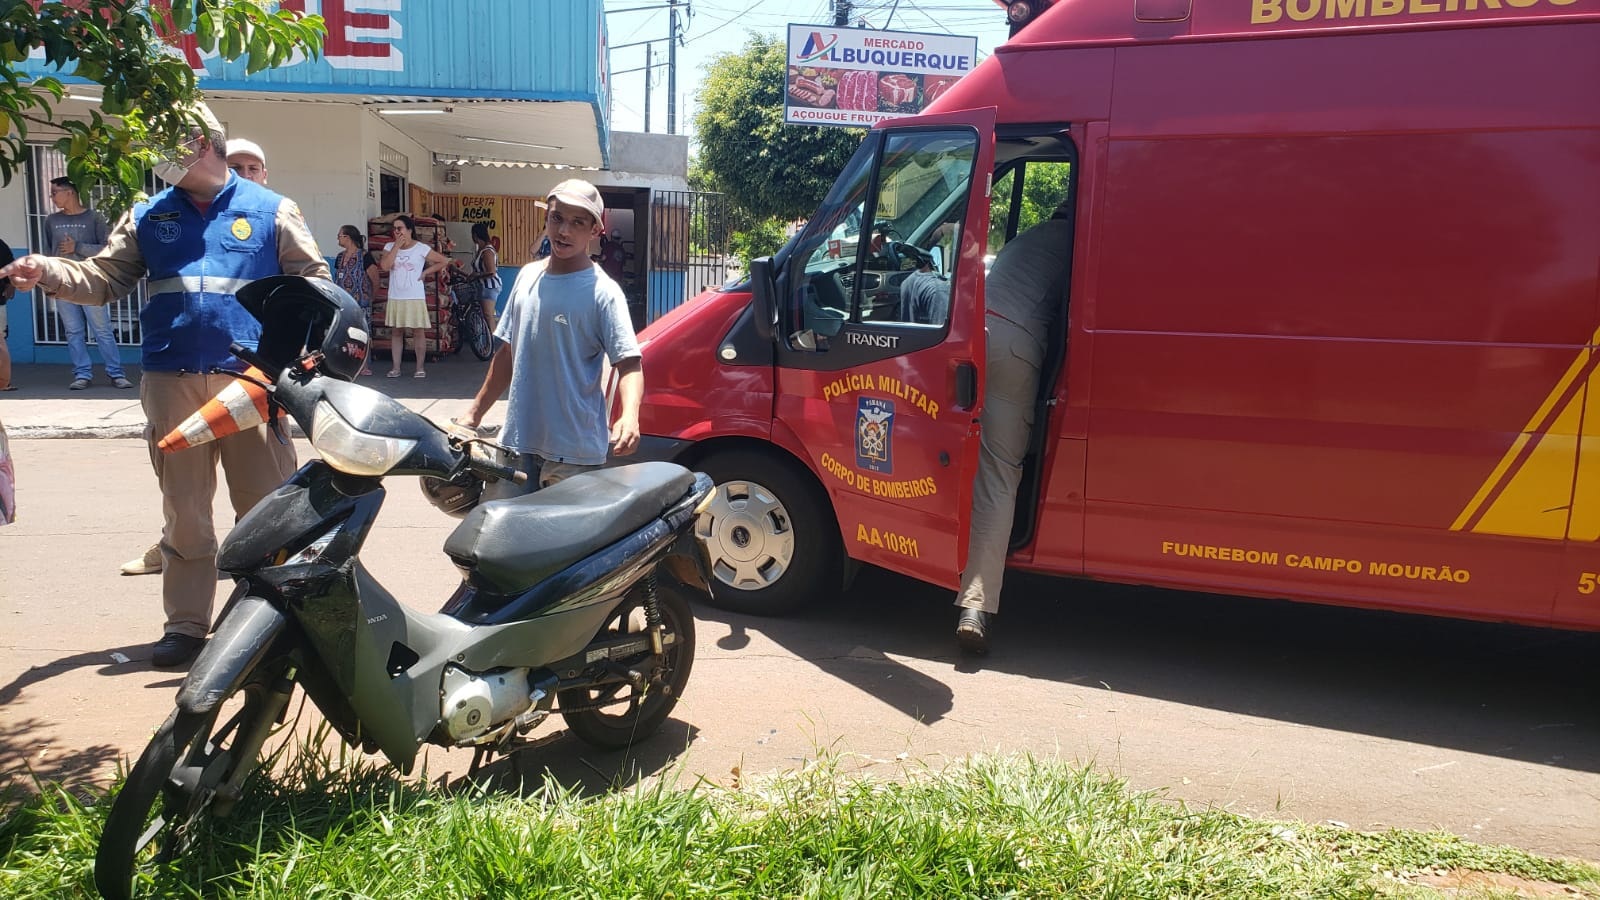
column 672, row 71
column 649, row 63
column 841, row 13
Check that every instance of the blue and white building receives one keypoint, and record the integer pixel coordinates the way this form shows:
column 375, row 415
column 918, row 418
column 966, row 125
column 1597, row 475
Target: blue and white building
column 484, row 97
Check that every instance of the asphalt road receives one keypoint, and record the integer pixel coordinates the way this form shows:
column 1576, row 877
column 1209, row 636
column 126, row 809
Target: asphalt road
column 1269, row 709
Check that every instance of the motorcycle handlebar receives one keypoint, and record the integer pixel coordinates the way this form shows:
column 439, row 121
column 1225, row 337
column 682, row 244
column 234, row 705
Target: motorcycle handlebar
column 491, row 469
column 253, row 358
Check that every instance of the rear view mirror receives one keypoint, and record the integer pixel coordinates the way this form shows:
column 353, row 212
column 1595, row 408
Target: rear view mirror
column 763, row 297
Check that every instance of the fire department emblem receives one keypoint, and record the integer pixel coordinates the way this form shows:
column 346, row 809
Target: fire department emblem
column 875, row 434
column 241, row 228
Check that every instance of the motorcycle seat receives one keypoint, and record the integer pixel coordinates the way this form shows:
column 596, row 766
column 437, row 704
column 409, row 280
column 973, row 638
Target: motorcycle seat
column 511, row 545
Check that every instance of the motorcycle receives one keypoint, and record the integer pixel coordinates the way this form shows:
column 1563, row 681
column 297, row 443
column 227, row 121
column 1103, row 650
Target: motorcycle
column 559, row 608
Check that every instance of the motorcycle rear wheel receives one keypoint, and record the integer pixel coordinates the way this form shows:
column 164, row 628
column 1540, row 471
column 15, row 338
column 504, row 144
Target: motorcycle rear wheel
column 626, row 715
column 168, row 794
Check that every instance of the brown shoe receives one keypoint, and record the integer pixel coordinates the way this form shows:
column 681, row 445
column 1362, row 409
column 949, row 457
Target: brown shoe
column 148, row 564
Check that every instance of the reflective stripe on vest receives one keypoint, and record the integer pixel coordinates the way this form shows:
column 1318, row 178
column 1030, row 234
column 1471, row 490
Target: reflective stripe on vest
column 195, row 284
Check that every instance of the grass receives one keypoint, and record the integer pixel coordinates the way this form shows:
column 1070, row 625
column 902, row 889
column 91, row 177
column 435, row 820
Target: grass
column 994, row 827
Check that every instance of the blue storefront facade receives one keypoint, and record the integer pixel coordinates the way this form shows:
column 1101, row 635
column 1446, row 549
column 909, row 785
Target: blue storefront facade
column 409, row 98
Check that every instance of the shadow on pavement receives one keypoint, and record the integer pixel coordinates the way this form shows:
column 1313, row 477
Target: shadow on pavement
column 1504, row 691
column 136, row 656
column 26, row 765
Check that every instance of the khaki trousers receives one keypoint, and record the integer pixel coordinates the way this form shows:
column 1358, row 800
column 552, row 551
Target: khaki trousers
column 255, row 464
column 1010, row 392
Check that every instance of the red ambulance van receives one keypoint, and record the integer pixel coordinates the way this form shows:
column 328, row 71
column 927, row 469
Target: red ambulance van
column 1330, row 334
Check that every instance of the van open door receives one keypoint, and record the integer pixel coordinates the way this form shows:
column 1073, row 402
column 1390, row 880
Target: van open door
column 881, row 341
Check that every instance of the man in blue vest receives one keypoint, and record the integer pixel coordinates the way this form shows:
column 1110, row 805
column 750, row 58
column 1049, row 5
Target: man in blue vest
column 198, row 242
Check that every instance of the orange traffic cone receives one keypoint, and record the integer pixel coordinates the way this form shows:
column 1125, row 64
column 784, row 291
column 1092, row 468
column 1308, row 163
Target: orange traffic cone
column 239, row 406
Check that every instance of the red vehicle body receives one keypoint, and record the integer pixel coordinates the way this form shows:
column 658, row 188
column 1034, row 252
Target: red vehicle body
column 1331, row 329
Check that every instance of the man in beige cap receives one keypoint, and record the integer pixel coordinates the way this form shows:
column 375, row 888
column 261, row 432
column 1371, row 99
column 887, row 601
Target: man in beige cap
column 247, row 160
column 565, row 317
column 198, row 242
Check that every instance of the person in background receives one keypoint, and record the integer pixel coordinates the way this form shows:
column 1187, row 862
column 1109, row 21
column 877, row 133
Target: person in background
column 76, row 232
column 1024, row 292
column 564, row 319
column 613, row 256
column 374, row 272
column 350, row 273
column 925, row 294
column 8, row 475
column 248, row 160
column 196, row 242
column 486, row 271
column 6, row 293
column 410, row 263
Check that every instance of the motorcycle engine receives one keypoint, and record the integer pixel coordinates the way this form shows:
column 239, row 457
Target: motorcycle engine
column 473, row 704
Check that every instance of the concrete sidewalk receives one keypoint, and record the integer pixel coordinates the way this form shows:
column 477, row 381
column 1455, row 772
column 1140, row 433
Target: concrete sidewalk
column 42, row 407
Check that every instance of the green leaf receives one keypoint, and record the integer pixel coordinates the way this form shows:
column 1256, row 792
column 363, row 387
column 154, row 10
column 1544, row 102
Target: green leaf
column 183, row 14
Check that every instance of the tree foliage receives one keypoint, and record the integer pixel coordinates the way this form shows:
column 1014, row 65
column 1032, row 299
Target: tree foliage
column 767, row 168
column 147, row 89
column 1044, row 186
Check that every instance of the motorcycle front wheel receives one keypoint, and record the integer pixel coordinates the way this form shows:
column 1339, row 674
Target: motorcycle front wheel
column 614, row 716
column 169, row 793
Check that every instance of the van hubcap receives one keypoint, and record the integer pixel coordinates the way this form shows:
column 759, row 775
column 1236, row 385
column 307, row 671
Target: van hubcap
column 749, row 535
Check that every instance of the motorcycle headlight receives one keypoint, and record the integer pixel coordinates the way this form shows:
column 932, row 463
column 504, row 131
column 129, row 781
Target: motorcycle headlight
column 351, row 451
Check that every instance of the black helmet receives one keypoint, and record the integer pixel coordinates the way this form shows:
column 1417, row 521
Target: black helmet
column 300, row 315
column 456, row 495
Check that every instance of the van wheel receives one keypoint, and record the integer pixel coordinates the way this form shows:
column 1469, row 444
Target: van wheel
column 773, row 544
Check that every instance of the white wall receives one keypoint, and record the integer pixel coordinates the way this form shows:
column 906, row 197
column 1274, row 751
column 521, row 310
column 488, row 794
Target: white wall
column 314, row 157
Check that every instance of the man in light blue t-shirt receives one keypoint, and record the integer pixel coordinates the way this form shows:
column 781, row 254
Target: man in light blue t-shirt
column 564, row 318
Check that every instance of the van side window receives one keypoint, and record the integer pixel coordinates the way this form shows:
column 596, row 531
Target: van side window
column 888, row 258
column 1044, row 185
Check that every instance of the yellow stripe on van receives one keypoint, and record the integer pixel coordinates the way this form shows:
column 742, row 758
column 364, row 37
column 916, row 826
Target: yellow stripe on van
column 1585, row 525
column 1530, row 493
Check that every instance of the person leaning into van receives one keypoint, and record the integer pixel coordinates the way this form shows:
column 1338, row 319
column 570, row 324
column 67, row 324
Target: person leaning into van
column 1023, row 293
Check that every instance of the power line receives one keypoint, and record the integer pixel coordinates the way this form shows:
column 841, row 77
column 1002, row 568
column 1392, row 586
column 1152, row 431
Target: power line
column 725, row 23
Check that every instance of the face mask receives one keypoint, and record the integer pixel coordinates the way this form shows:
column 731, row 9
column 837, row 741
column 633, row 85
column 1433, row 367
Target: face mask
column 170, row 172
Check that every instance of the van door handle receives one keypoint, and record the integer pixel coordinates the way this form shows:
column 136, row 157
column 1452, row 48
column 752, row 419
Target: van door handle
column 966, row 385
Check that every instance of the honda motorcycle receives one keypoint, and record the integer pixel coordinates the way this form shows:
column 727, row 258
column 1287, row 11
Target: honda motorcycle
column 558, row 609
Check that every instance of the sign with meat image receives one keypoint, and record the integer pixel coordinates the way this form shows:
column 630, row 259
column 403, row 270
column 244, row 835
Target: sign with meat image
column 856, row 77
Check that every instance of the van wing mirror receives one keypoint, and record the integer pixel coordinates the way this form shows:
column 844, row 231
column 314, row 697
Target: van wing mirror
column 764, row 297
column 936, row 253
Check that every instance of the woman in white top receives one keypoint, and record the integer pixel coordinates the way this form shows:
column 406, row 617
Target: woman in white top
column 409, row 263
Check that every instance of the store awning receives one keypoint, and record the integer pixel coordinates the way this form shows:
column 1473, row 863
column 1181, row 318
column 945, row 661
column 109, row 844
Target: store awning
column 493, row 82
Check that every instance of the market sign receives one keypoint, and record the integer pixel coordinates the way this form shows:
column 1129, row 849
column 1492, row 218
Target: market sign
column 857, row 77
